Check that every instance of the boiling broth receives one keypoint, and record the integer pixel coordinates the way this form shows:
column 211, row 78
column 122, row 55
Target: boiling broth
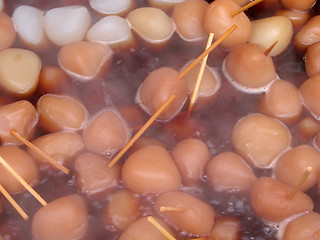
column 117, row 88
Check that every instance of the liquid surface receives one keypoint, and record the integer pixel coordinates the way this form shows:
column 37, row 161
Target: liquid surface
column 118, row 87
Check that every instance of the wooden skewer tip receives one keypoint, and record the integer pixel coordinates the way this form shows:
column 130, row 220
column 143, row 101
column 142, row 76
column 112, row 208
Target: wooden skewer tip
column 13, row 203
column 170, row 209
column 245, row 7
column 200, row 75
column 301, row 182
column 267, row 51
column 317, row 234
column 39, row 151
column 23, row 182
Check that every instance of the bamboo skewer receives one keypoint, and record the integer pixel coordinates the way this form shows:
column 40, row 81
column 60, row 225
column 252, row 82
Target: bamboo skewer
column 199, row 78
column 266, row 52
column 160, row 228
column 317, row 234
column 170, row 209
column 39, row 151
column 23, row 182
column 207, row 51
column 166, row 103
column 13, row 203
column 245, row 7
column 301, row 182
column 142, row 130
